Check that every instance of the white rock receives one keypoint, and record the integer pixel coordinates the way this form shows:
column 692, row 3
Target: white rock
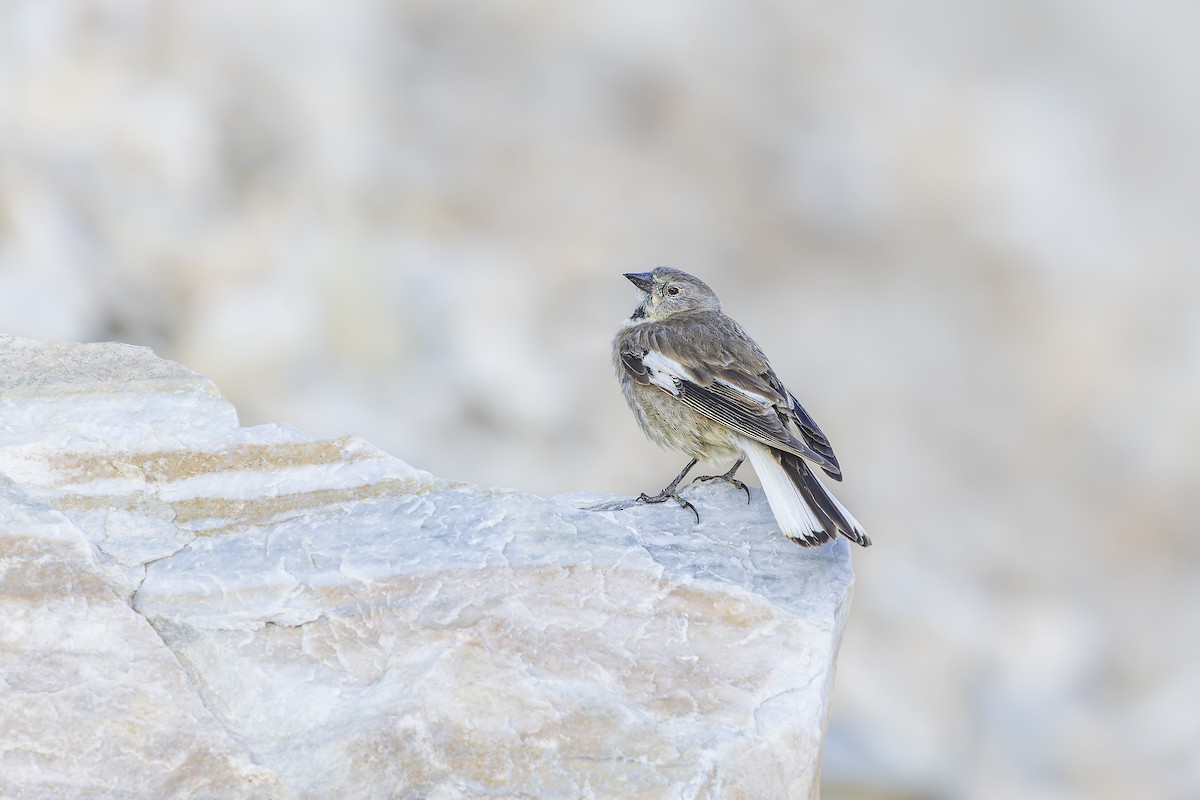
column 197, row 609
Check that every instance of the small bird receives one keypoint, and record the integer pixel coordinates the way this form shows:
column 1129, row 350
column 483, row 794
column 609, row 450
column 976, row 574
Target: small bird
column 698, row 384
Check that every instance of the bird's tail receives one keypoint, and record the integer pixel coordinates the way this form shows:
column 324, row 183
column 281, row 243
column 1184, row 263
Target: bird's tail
column 806, row 511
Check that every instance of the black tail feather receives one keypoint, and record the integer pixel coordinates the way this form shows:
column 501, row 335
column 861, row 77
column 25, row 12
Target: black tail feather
column 831, row 518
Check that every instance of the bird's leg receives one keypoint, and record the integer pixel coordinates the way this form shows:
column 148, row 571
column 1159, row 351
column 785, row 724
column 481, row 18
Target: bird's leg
column 728, row 478
column 670, row 494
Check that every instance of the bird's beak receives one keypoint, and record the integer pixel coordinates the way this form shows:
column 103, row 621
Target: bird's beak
column 642, row 280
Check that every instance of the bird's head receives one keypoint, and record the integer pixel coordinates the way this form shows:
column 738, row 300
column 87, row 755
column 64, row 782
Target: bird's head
column 666, row 292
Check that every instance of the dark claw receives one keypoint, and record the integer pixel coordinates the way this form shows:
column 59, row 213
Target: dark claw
column 728, row 479
column 664, row 496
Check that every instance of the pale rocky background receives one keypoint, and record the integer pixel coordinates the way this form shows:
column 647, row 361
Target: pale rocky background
column 965, row 232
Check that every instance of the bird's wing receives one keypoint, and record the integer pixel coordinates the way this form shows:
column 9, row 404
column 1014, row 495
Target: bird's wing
column 732, row 385
column 806, row 426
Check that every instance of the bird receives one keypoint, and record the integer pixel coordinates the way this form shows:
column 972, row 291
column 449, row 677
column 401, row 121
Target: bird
column 698, row 384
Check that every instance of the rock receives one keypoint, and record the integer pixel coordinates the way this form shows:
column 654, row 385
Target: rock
column 194, row 609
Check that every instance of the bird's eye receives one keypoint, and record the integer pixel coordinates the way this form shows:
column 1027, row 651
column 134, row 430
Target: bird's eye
column 672, row 290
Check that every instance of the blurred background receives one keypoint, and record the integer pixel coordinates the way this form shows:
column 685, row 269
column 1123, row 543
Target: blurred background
column 966, row 233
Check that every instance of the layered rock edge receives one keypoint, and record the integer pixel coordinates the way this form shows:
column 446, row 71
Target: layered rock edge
column 197, row 609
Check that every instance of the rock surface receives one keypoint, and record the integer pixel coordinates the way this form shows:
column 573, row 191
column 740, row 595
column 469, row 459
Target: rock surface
column 194, row 609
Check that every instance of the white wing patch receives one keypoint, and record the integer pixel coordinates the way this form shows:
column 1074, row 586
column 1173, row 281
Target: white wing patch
column 665, row 373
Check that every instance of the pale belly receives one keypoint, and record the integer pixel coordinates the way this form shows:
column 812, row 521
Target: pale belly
column 669, row 423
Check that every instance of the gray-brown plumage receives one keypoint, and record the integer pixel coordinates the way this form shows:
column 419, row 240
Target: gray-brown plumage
column 698, row 384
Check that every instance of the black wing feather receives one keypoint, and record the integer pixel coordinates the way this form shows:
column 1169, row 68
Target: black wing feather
column 758, row 421
column 812, row 435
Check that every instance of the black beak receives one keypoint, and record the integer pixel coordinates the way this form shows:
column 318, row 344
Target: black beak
column 642, row 280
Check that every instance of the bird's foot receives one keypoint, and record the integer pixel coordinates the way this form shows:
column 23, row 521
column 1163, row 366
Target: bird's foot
column 728, row 478
column 664, row 496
